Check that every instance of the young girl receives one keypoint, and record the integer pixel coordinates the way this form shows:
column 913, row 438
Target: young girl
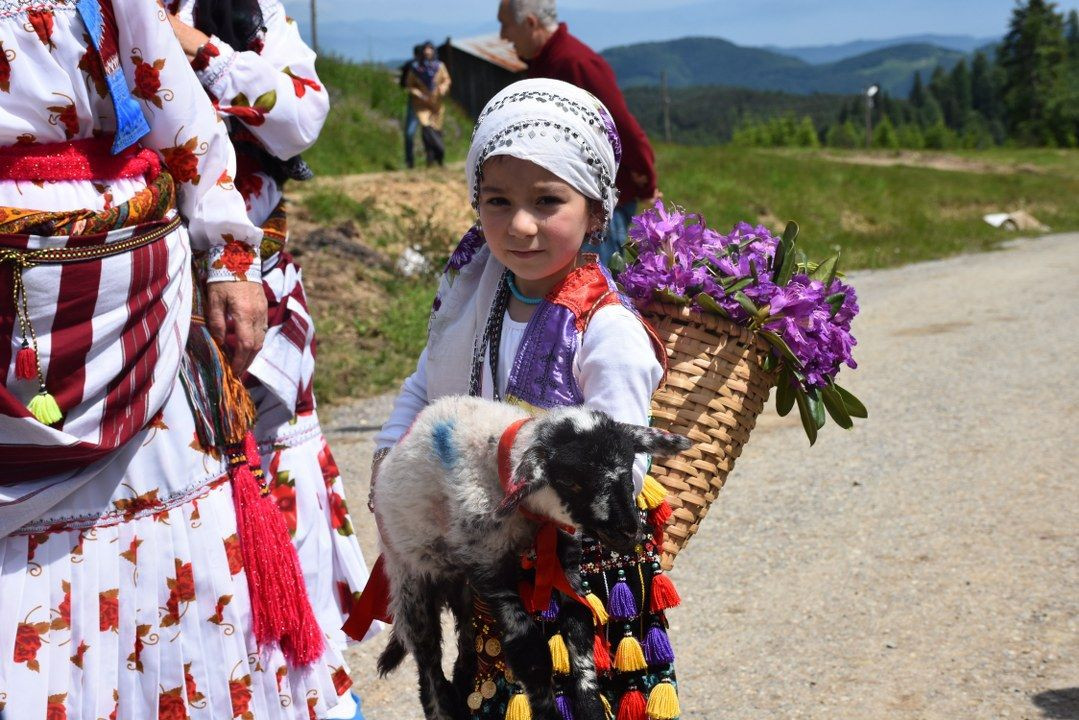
column 522, row 315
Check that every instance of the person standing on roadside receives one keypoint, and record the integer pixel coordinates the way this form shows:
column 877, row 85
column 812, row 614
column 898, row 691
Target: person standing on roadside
column 552, row 52
column 412, row 123
column 428, row 84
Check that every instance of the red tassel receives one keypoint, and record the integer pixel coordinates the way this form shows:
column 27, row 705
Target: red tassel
column 280, row 610
column 601, row 654
column 659, row 517
column 664, row 595
column 633, row 706
column 26, row 363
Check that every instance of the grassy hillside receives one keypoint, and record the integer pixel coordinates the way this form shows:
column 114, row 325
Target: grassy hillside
column 364, row 130
column 714, row 61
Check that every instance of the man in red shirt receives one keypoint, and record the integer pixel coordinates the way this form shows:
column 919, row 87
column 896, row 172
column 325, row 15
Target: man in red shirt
column 551, row 52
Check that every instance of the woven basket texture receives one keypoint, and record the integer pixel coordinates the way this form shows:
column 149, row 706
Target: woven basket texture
column 715, row 390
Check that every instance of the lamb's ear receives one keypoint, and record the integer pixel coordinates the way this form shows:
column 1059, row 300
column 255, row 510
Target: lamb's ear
column 656, row 442
column 529, row 478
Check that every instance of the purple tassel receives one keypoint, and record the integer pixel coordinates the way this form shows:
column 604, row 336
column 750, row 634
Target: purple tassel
column 551, row 613
column 563, row 705
column 622, row 606
column 657, row 647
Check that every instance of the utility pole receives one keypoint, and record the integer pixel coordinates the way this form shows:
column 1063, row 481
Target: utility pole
column 314, row 26
column 666, row 107
column 870, row 93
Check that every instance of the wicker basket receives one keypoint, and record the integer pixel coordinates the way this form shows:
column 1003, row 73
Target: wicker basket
column 714, row 392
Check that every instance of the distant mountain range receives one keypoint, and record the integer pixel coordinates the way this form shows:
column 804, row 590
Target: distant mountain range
column 823, row 54
column 697, row 61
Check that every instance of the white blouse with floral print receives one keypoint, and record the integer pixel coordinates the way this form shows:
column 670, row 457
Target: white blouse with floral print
column 52, row 89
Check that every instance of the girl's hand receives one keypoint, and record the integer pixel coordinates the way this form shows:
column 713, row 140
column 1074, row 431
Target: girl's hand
column 191, row 39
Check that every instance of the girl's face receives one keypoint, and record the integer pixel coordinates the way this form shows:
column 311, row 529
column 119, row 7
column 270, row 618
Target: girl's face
column 534, row 222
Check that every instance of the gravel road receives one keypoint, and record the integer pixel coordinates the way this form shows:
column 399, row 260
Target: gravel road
column 924, row 565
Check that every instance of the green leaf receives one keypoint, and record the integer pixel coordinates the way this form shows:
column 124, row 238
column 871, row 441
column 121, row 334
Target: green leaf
column 241, row 101
column 853, row 405
column 707, row 302
column 784, row 392
column 668, row 296
column 808, row 422
column 617, row 263
column 738, row 285
column 781, row 345
column 747, row 304
column 790, row 233
column 769, row 362
column 789, row 256
column 266, row 101
column 836, row 301
column 816, row 407
column 825, row 272
column 834, row 404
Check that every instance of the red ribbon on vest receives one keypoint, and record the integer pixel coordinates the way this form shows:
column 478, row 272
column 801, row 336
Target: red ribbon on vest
column 550, row 575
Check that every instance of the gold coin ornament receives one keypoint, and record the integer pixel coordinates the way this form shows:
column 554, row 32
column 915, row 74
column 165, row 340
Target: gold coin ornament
column 479, row 645
column 488, row 689
column 494, row 647
column 475, row 701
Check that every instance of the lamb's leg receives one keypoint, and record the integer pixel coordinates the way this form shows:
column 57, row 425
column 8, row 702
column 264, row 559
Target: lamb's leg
column 418, row 623
column 575, row 622
column 466, row 665
column 523, row 642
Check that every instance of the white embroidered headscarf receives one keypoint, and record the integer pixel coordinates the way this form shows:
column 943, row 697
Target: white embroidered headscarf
column 555, row 125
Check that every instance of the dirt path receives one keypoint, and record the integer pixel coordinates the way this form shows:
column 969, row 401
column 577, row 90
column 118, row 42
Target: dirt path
column 923, row 566
column 935, row 161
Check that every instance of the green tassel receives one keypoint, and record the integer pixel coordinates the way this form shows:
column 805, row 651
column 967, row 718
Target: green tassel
column 43, row 406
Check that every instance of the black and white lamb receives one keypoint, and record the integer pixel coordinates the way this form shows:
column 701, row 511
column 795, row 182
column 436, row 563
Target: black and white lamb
column 449, row 530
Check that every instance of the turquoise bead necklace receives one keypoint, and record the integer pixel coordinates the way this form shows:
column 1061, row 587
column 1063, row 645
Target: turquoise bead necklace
column 511, row 283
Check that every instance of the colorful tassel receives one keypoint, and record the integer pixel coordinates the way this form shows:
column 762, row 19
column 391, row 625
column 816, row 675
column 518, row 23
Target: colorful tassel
column 633, row 706
column 551, row 613
column 622, row 604
column 599, row 613
column 280, row 609
column 652, row 494
column 565, row 708
column 629, row 657
column 664, row 594
column 26, row 362
column 657, row 647
column 660, row 515
column 601, row 654
column 607, row 712
column 43, row 407
column 559, row 654
column 519, row 709
column 663, row 702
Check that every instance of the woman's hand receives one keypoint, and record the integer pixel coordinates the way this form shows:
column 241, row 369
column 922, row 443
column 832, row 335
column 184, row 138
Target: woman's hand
column 191, row 39
column 244, row 304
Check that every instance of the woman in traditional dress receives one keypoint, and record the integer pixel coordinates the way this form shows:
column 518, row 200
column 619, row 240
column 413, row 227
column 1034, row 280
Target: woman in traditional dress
column 428, row 85
column 261, row 76
column 143, row 574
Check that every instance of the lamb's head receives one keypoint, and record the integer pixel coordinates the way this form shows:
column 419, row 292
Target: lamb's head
column 586, row 458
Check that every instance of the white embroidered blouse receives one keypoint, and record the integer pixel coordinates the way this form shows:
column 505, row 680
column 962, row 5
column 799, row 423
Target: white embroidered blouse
column 52, row 90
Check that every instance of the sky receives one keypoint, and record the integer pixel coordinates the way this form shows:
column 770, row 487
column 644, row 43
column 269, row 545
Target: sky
column 369, row 29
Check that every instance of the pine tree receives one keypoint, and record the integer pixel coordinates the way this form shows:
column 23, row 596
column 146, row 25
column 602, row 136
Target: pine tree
column 961, row 91
column 1071, row 33
column 806, row 134
column 844, row 135
column 982, row 93
column 1032, row 57
column 884, row 135
column 940, row 86
column 917, row 92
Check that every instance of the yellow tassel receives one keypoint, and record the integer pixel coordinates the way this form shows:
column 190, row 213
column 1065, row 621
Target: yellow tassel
column 43, row 406
column 652, row 494
column 663, row 702
column 629, row 657
column 606, row 706
column 519, row 709
column 559, row 654
column 599, row 612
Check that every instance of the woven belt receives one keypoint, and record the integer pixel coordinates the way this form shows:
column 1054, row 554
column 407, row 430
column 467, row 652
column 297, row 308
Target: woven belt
column 27, row 361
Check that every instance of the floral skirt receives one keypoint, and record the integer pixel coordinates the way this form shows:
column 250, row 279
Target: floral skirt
column 310, row 493
column 129, row 599
column 632, row 653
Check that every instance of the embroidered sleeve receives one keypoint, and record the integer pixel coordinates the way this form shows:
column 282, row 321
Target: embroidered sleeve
column 191, row 139
column 273, row 90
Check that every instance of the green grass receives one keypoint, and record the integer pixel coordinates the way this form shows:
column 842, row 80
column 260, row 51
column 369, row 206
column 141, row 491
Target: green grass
column 878, row 216
column 363, row 132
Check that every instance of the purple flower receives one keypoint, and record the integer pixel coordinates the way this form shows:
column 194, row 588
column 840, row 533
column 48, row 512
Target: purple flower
column 677, row 253
column 462, row 255
column 612, row 133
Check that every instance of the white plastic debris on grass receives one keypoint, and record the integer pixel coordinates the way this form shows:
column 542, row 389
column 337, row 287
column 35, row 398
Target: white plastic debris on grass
column 412, row 263
column 1018, row 220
